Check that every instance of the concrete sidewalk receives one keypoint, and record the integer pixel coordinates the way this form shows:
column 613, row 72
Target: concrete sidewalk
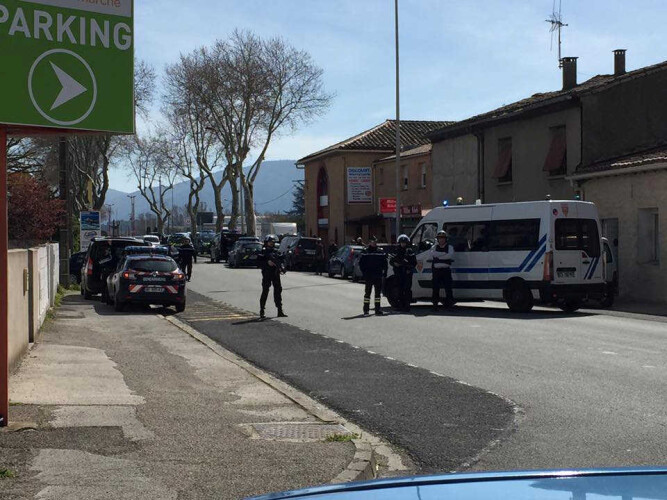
column 127, row 405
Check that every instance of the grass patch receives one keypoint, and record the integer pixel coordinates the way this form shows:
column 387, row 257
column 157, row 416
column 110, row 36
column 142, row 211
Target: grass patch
column 6, row 473
column 341, row 438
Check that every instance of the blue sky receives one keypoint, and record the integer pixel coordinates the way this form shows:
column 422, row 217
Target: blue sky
column 458, row 57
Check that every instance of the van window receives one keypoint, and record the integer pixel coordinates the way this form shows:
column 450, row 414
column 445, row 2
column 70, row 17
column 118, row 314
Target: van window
column 468, row 236
column 520, row 234
column 424, row 237
column 578, row 234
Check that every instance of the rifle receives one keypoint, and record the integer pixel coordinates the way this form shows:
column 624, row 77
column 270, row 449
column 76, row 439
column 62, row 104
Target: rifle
column 278, row 261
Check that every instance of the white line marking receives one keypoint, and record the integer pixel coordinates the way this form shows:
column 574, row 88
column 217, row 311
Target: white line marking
column 371, row 352
column 411, row 365
column 389, row 358
column 438, row 374
column 612, row 353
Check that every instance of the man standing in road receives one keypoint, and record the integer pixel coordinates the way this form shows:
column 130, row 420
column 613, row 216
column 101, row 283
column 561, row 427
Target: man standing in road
column 373, row 265
column 186, row 254
column 271, row 264
column 404, row 262
column 442, row 256
column 319, row 257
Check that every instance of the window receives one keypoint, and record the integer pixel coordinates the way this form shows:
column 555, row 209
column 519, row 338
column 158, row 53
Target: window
column 404, row 169
column 503, row 169
column 422, row 167
column 149, row 266
column 468, row 236
column 556, row 161
column 578, row 234
column 648, row 236
column 424, row 237
column 520, row 234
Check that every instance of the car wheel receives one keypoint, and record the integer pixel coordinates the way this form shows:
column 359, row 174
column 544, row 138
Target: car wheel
column 519, row 297
column 180, row 308
column 118, row 305
column 570, row 305
column 331, row 274
column 86, row 294
column 107, row 296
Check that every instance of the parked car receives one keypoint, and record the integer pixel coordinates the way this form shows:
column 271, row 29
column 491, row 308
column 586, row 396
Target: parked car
column 75, row 265
column 244, row 253
column 204, row 241
column 101, row 259
column 357, row 274
column 301, row 253
column 146, row 279
column 342, row 262
column 285, row 243
column 153, row 239
column 222, row 243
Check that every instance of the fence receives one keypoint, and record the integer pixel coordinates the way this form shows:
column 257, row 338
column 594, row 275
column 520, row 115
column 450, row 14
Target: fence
column 33, row 282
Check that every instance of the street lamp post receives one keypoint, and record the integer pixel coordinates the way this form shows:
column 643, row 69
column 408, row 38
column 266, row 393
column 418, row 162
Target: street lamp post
column 398, row 132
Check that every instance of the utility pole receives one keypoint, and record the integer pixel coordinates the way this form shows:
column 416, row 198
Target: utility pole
column 398, row 133
column 4, row 282
column 132, row 197
column 65, row 245
column 109, row 209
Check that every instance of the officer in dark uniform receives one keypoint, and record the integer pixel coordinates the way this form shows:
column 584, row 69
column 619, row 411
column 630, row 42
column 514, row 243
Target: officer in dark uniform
column 404, row 262
column 442, row 256
column 272, row 266
column 373, row 265
column 186, row 254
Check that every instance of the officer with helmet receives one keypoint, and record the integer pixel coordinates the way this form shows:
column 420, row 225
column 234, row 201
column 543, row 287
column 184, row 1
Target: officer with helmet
column 404, row 262
column 373, row 265
column 442, row 256
column 272, row 266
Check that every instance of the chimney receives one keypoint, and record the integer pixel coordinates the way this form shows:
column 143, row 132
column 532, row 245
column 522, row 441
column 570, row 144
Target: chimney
column 619, row 62
column 569, row 72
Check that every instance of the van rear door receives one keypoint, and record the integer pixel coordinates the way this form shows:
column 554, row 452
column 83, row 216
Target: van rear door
column 577, row 253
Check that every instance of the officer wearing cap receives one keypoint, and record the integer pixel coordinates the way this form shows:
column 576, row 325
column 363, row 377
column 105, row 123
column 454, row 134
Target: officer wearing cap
column 404, row 262
column 373, row 265
column 271, row 264
column 442, row 256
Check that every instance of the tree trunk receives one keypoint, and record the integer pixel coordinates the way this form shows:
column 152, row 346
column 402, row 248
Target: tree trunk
column 249, row 203
column 233, row 186
column 217, row 196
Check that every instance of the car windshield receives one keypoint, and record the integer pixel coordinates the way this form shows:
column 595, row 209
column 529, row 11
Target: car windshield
column 308, row 244
column 252, row 246
column 151, row 265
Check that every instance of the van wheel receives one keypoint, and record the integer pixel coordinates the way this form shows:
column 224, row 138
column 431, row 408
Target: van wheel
column 608, row 299
column 391, row 292
column 570, row 305
column 519, row 297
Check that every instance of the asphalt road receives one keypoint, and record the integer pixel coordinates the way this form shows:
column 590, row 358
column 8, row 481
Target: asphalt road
column 590, row 387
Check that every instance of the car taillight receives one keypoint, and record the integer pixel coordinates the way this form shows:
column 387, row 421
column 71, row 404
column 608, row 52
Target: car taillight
column 129, row 276
column 548, row 274
column 89, row 267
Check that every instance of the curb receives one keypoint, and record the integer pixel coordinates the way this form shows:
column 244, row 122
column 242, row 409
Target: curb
column 364, row 464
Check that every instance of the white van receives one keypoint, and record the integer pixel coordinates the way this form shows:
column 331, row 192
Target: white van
column 546, row 251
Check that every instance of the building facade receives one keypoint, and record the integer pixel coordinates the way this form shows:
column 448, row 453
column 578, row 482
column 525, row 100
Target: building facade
column 339, row 183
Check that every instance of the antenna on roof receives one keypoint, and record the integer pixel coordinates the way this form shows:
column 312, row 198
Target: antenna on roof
column 556, row 21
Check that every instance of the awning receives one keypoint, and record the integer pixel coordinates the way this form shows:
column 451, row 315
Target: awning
column 504, row 162
column 557, row 150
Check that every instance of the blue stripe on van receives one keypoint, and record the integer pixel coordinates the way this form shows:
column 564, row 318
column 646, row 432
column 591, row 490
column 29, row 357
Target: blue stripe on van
column 532, row 257
column 593, row 266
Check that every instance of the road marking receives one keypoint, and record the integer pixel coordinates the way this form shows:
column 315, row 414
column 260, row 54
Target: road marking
column 612, row 353
column 371, row 352
column 648, row 366
column 411, row 365
column 389, row 358
column 437, row 374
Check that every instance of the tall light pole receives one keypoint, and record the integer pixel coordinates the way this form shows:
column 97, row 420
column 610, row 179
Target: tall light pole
column 132, row 197
column 398, row 132
column 109, row 209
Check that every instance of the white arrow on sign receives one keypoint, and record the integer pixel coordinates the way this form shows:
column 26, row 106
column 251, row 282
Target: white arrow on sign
column 71, row 88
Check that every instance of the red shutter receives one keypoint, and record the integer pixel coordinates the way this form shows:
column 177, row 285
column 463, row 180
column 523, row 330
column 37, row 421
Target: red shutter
column 504, row 162
column 556, row 153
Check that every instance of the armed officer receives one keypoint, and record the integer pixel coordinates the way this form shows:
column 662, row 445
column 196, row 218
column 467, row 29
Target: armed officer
column 442, row 256
column 404, row 262
column 271, row 263
column 373, row 264
column 186, row 254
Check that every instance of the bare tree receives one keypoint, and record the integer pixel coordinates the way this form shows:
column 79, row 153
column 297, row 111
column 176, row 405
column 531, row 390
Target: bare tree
column 188, row 118
column 154, row 174
column 254, row 90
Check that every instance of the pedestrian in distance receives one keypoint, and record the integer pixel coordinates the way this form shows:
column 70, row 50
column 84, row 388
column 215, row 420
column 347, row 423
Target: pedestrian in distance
column 361, row 242
column 333, row 248
column 272, row 266
column 186, row 255
column 442, row 256
column 319, row 257
column 404, row 262
column 373, row 265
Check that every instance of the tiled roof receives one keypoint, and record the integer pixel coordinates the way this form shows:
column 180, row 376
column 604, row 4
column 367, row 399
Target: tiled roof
column 383, row 137
column 419, row 150
column 649, row 157
column 537, row 101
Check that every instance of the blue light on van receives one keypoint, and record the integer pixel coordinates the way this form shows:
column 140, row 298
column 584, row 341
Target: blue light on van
column 445, row 203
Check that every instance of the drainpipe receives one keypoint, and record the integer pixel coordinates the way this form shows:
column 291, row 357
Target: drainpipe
column 480, row 164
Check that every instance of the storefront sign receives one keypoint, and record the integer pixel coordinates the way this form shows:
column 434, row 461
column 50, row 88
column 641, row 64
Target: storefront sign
column 387, row 205
column 411, row 210
column 359, row 185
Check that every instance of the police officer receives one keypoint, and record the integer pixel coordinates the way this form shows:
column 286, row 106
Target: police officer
column 271, row 264
column 442, row 256
column 404, row 262
column 186, row 254
column 373, row 265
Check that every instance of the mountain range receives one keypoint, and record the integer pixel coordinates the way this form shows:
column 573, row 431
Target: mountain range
column 274, row 187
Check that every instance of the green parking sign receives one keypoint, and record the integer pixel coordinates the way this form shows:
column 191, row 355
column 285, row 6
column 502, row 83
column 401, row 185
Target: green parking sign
column 67, row 64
